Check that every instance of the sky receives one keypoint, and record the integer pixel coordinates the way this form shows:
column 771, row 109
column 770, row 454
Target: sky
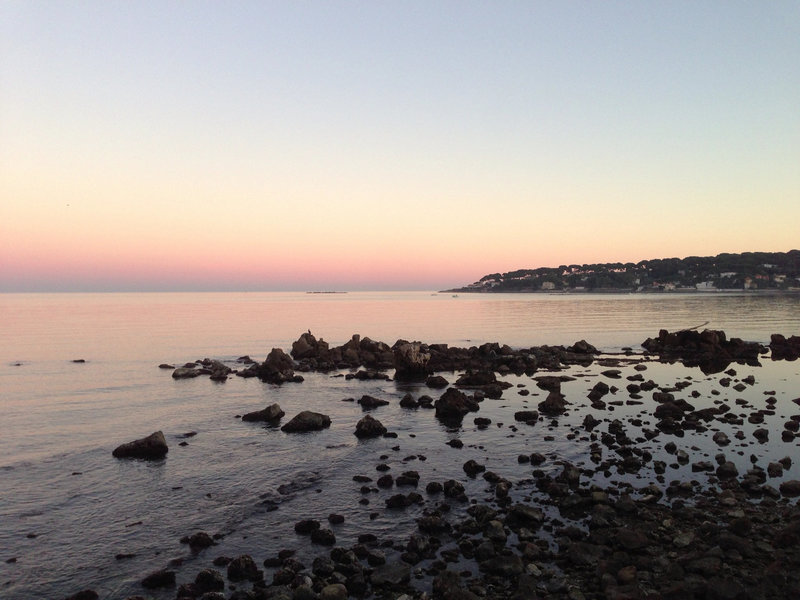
column 343, row 145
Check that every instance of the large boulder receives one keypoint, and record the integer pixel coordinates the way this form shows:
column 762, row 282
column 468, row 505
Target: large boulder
column 411, row 362
column 368, row 402
column 277, row 368
column 369, row 427
column 270, row 414
column 454, row 404
column 307, row 346
column 185, row 373
column 152, row 447
column 554, row 404
column 307, row 421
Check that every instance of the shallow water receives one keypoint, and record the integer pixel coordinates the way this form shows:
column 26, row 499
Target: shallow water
column 67, row 508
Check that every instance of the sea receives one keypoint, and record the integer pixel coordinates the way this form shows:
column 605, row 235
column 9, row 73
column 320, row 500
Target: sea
column 79, row 375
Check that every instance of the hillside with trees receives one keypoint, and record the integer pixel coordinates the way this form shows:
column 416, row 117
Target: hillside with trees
column 725, row 272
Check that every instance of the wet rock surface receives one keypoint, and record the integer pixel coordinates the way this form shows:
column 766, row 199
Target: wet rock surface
column 642, row 494
column 152, row 447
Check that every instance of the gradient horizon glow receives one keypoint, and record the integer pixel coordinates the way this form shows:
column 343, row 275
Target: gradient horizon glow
column 352, row 146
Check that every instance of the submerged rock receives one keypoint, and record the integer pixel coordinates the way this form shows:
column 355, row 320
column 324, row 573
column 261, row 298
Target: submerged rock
column 152, row 447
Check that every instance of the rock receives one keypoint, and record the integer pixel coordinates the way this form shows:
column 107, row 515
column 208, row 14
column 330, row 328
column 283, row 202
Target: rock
column 408, row 401
column 307, row 421
column 159, row 579
column 709, row 349
column 553, row 405
column 447, row 586
column 527, row 416
column 198, row 541
column 333, row 591
column 503, row 566
column 411, row 362
column 307, row 346
column 393, row 574
column 436, row 382
column 369, row 402
column 271, row 413
column 369, row 427
column 185, row 373
column 454, row 404
column 727, row 470
column 209, row 580
column 306, row 526
column 791, row 488
column 243, row 568
column 277, row 368
column 472, row 468
column 152, row 447
column 721, row 439
column 323, row 537
column 84, row 595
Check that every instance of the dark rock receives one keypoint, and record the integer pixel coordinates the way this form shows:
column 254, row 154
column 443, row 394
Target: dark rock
column 307, row 421
column 554, row 404
column 472, row 468
column 185, row 373
column 369, row 402
column 152, row 447
column 243, row 568
column 411, row 362
column 392, row 574
column 271, row 413
column 159, row 579
column 323, row 537
column 84, row 595
column 198, row 541
column 447, row 586
column 408, row 401
column 526, row 416
column 209, row 580
column 791, row 488
column 306, row 526
column 277, row 368
column 453, row 405
column 436, row 382
column 369, row 427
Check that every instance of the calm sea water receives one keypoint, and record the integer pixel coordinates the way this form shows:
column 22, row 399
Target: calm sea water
column 67, row 508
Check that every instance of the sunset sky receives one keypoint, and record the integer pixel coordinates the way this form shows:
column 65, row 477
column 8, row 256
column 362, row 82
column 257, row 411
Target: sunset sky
column 388, row 145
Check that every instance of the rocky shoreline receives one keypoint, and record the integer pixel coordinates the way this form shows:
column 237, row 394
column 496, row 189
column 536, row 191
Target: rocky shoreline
column 561, row 529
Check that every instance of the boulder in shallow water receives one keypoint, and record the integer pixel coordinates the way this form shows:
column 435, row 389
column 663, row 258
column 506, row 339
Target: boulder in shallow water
column 411, row 362
column 369, row 427
column 272, row 413
column 454, row 404
column 307, row 421
column 185, row 373
column 153, row 447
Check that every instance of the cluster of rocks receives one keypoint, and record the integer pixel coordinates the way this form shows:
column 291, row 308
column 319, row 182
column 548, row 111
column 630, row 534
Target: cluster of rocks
column 598, row 544
column 415, row 361
column 568, row 537
column 784, row 348
column 709, row 349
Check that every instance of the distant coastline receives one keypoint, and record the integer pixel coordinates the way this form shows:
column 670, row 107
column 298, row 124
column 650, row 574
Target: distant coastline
column 771, row 272
column 625, row 291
